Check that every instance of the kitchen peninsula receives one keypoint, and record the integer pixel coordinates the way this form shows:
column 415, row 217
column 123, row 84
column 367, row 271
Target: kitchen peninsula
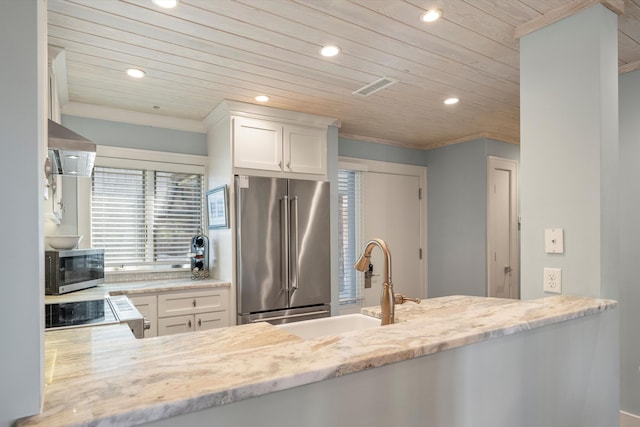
column 450, row 361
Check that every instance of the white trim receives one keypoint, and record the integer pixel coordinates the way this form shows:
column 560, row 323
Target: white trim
column 58, row 59
column 133, row 117
column 629, row 420
column 241, row 109
column 353, row 166
column 400, row 169
column 384, row 167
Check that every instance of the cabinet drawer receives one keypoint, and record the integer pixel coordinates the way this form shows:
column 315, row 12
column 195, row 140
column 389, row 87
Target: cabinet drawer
column 213, row 320
column 175, row 325
column 192, row 302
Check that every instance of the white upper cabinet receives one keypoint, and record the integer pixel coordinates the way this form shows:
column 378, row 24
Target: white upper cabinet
column 305, row 150
column 257, row 144
column 279, row 147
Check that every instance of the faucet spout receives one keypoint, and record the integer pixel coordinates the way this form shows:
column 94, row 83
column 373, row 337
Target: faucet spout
column 387, row 302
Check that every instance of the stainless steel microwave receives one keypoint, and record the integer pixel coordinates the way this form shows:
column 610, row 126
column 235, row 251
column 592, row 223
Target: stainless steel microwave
column 72, row 270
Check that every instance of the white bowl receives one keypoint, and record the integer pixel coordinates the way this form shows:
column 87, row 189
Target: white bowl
column 62, row 242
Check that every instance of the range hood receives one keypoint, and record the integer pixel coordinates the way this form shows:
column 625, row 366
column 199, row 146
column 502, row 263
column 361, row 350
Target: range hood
column 70, row 153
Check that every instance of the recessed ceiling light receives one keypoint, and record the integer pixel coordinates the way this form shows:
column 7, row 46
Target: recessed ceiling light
column 136, row 73
column 329, row 50
column 165, row 4
column 431, row 15
column 451, row 101
column 262, row 98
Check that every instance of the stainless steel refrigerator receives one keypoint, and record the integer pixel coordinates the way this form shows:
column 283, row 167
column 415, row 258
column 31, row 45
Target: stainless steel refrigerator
column 283, row 249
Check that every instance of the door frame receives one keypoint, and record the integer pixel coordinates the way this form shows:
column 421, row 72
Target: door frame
column 365, row 165
column 514, row 257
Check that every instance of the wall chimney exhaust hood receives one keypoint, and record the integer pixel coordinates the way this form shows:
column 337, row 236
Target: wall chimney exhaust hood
column 70, row 153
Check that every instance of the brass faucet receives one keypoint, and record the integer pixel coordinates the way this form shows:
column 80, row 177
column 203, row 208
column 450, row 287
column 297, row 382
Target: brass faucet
column 388, row 299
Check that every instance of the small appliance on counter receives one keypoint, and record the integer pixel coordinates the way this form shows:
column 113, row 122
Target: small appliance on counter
column 104, row 311
column 72, row 270
column 199, row 256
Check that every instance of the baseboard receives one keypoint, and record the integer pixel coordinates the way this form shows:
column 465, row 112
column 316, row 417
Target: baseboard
column 629, row 420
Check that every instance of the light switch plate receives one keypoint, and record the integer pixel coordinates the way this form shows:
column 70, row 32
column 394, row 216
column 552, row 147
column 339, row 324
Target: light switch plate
column 554, row 241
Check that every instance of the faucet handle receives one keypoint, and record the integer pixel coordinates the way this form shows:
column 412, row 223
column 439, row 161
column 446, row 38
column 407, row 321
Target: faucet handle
column 401, row 299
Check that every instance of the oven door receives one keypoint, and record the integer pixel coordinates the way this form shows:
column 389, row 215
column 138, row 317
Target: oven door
column 78, row 314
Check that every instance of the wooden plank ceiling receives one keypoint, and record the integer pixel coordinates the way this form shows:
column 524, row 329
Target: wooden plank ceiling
column 205, row 51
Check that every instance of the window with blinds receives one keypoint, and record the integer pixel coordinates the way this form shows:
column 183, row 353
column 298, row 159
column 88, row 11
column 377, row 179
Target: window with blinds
column 349, row 221
column 145, row 218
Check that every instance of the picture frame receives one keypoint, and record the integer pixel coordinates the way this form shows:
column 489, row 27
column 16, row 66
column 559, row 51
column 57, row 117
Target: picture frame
column 218, row 207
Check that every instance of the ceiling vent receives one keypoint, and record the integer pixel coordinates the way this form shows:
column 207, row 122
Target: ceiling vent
column 375, row 86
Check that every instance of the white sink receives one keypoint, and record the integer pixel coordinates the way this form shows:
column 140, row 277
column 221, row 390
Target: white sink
column 330, row 325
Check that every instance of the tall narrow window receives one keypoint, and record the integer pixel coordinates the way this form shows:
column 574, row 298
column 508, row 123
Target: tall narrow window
column 349, row 223
column 145, row 218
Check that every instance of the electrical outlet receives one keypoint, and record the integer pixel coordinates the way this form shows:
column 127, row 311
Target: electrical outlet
column 553, row 280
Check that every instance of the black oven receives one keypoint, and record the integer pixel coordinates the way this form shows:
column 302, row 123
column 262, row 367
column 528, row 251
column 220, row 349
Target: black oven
column 72, row 270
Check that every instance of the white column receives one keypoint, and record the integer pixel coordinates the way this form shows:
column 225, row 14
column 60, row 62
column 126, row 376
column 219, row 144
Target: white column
column 569, row 152
column 23, row 115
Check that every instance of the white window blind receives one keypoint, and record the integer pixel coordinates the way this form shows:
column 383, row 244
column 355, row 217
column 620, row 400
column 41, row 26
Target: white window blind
column 145, row 217
column 349, row 223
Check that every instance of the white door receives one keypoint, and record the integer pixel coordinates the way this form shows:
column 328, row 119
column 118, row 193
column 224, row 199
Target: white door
column 392, row 213
column 502, row 229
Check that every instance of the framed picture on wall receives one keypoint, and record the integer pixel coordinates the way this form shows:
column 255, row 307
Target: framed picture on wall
column 217, row 207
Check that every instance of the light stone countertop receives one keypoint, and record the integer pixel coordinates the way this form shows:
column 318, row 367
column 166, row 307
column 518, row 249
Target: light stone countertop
column 103, row 375
column 133, row 288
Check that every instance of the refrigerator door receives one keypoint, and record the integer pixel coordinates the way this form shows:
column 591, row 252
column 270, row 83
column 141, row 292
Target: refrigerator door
column 309, row 270
column 260, row 245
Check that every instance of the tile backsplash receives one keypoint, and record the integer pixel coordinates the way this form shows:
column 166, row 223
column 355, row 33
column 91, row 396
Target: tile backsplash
column 137, row 276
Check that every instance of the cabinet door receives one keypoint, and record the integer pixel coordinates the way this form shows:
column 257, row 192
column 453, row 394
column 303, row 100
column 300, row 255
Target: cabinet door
column 305, row 150
column 175, row 325
column 147, row 305
column 257, row 144
column 192, row 302
column 213, row 320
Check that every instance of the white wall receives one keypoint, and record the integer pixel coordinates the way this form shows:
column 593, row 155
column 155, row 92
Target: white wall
column 569, row 110
column 630, row 242
column 22, row 132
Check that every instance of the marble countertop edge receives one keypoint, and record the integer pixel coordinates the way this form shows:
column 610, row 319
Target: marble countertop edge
column 283, row 360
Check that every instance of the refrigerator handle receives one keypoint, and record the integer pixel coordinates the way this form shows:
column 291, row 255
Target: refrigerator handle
column 284, row 241
column 295, row 255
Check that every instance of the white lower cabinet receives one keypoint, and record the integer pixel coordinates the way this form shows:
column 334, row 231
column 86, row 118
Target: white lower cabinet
column 183, row 311
column 192, row 311
column 194, row 322
column 147, row 305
